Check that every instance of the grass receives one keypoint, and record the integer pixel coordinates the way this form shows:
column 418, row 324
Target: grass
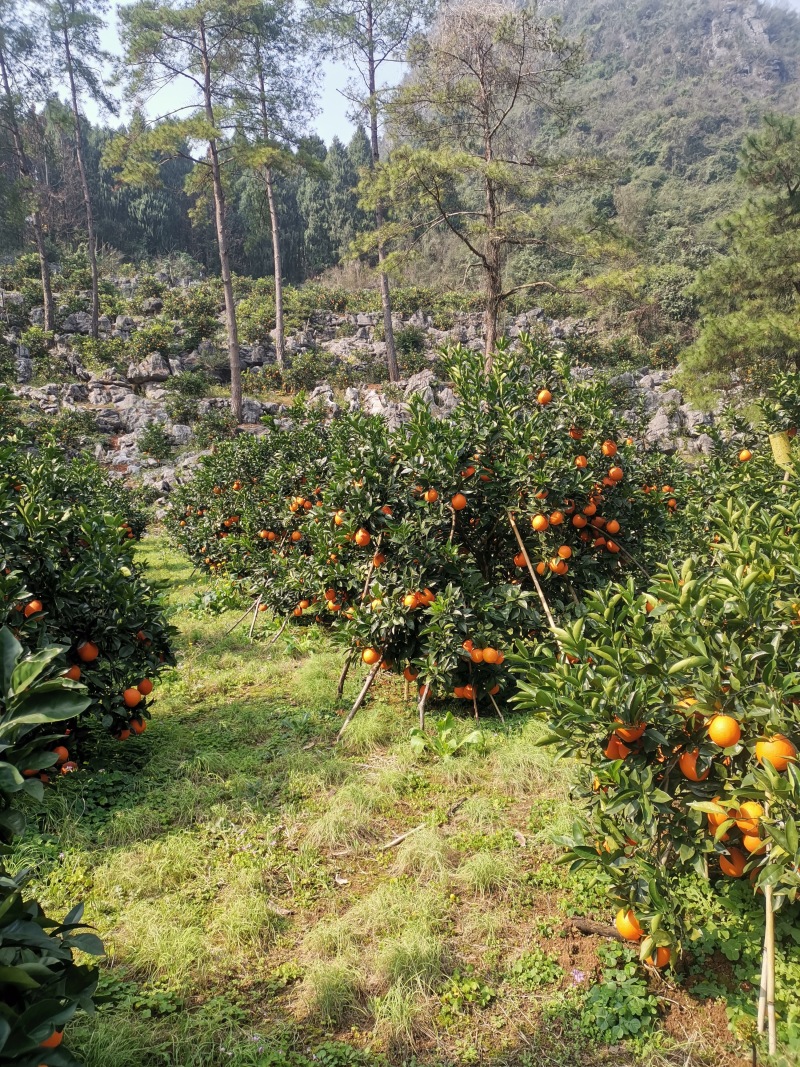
column 240, row 871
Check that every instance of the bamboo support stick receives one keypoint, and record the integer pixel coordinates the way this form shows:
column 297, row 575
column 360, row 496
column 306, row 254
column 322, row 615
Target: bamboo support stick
column 284, row 624
column 762, row 995
column 539, row 589
column 360, row 698
column 769, row 949
column 422, row 701
column 345, row 671
column 496, row 707
column 255, row 616
column 241, row 618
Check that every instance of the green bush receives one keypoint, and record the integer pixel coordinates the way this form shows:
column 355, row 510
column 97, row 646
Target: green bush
column 157, row 336
column 103, row 352
column 154, row 441
column 37, row 341
column 214, row 426
column 189, row 384
column 181, row 409
column 307, row 370
column 198, row 311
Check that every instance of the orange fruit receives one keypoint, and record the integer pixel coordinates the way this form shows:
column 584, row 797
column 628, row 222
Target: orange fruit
column 476, row 655
column 145, row 687
column 544, row 397
column 298, row 611
column 541, row 569
column 556, row 518
column 565, row 552
column 74, row 673
column 748, row 816
column 138, row 725
column 724, row 731
column 630, row 733
column 615, row 749
column 410, row 600
column 733, row 864
column 616, row 474
column 540, row 523
column 370, row 655
column 779, row 750
column 519, row 560
column 66, row 768
column 612, row 526
column 754, row 845
column 558, row 566
column 628, row 925
column 579, row 521
column 609, row 449
column 490, row 655
column 296, row 536
column 431, row 496
column 362, row 537
column 612, row 546
column 581, row 462
column 688, row 766
column 32, row 608
column 663, row 956
column 467, row 645
column 123, row 735
column 467, row 472
column 61, row 754
column 131, row 697
column 590, row 509
column 410, row 674
column 458, row 502
column 469, row 692
column 338, row 518
column 88, row 651
column 745, row 455
column 576, row 433
column 53, row 1041
column 377, row 559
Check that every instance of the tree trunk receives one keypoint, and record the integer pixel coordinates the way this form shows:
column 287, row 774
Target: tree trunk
column 36, row 218
column 386, row 296
column 91, row 237
column 222, row 239
column 280, row 342
column 493, row 265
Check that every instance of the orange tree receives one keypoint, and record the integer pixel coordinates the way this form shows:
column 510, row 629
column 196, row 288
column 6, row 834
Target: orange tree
column 41, row 984
column 62, row 538
column 682, row 703
column 401, row 539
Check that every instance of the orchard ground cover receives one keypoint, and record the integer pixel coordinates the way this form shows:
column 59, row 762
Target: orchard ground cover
column 234, row 862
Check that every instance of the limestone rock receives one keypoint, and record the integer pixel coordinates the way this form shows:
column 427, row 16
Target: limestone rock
column 153, row 368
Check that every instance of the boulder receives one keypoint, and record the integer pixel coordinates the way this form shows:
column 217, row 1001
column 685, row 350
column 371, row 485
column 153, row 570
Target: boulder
column 153, row 305
column 75, row 394
column 353, row 399
column 180, row 433
column 78, row 322
column 124, row 323
column 693, row 419
column 36, row 316
column 153, row 368
column 252, row 410
column 23, row 370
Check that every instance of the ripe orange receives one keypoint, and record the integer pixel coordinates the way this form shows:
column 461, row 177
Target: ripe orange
column 733, row 864
column 609, row 449
column 469, row 692
column 362, row 537
column 88, row 651
column 630, row 733
column 745, row 455
column 612, row 526
column 458, row 502
column 467, row 472
column 615, row 749
column 74, row 673
column 377, row 559
column 558, row 566
column 431, row 496
column 616, row 474
column 411, row 601
column 53, row 1041
column 541, row 569
column 296, row 536
column 138, row 725
column 544, row 397
column 565, row 552
column 66, row 768
column 628, row 925
column 131, row 697
column 370, row 655
column 145, row 687
column 579, row 521
column 581, row 462
column 271, row 535
column 338, row 518
column 612, row 546
column 754, row 845
column 476, row 655
column 519, row 560
column 61, row 754
column 540, row 523
column 688, row 766
column 123, row 735
column 33, row 608
column 298, row 611
column 467, row 645
column 748, row 816
column 556, row 518
column 724, row 731
column 779, row 750
column 663, row 956
column 490, row 655
column 576, row 433
column 410, row 674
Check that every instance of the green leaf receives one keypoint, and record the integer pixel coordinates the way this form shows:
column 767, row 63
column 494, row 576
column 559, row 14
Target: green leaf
column 10, row 651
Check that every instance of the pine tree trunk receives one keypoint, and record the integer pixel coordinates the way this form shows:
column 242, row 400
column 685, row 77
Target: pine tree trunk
column 222, row 241
column 91, row 237
column 36, row 218
column 493, row 264
column 386, row 296
column 280, row 342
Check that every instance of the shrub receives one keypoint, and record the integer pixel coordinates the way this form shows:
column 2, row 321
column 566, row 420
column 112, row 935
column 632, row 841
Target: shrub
column 152, row 337
column 155, row 441
column 197, row 309
column 70, row 429
column 190, row 384
column 104, row 352
column 214, row 426
column 181, row 409
column 37, row 341
column 306, row 370
column 63, row 539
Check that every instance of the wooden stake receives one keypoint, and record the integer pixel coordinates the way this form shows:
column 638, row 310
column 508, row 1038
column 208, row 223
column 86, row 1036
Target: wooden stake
column 241, row 618
column 406, row 690
column 269, row 644
column 539, row 589
column 762, row 994
column 360, row 698
column 255, row 616
column 769, row 950
column 497, row 709
column 422, row 701
column 345, row 672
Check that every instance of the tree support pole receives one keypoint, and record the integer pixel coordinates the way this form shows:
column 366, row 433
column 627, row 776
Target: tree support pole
column 422, row 701
column 360, row 698
column 539, row 589
column 255, row 616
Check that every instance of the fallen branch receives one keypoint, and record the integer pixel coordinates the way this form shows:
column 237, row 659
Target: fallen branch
column 401, row 837
column 586, row 926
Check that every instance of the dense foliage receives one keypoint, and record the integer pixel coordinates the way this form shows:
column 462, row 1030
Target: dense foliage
column 402, row 540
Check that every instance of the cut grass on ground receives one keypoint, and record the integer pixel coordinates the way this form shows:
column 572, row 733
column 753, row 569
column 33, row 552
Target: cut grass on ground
column 235, row 863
